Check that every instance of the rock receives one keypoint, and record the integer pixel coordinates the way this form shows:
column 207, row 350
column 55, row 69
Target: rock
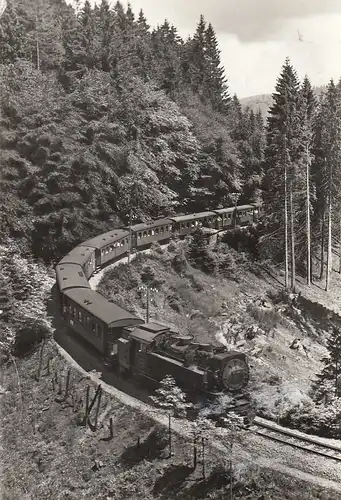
column 98, row 465
column 86, row 476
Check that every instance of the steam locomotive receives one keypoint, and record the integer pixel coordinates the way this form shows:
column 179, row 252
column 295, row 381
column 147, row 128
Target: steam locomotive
column 154, row 351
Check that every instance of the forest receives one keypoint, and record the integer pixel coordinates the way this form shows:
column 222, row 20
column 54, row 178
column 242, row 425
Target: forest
column 101, row 114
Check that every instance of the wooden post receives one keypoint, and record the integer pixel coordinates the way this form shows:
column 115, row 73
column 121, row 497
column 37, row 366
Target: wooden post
column 195, row 452
column 169, row 435
column 98, row 390
column 48, row 366
column 87, row 406
column 203, row 457
column 111, row 428
column 98, row 406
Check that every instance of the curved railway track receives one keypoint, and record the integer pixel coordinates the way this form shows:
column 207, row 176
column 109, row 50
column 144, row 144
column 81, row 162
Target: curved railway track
column 295, row 439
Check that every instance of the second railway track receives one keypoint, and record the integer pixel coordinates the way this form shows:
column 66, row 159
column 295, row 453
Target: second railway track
column 291, row 438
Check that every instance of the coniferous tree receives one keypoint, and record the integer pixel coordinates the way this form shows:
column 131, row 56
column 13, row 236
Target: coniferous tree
column 327, row 149
column 307, row 106
column 281, row 157
column 171, row 398
column 215, row 83
column 328, row 381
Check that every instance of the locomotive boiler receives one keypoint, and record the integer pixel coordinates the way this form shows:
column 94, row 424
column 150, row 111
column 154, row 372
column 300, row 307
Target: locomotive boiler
column 154, row 351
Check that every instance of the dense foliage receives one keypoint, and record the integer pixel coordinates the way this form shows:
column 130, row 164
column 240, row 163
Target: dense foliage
column 100, row 113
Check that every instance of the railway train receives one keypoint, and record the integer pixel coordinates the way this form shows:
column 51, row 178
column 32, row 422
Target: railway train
column 134, row 347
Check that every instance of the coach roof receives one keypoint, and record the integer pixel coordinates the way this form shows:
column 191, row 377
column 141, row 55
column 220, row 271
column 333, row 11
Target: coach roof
column 78, row 255
column 94, row 303
column 150, row 224
column 201, row 215
column 71, row 276
column 105, row 239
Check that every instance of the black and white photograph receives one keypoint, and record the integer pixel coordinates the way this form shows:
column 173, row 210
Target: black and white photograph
column 170, row 250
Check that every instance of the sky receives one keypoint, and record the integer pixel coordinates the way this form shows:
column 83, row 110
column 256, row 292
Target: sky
column 255, row 36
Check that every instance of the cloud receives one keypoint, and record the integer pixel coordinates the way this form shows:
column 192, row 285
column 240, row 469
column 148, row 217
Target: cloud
column 249, row 20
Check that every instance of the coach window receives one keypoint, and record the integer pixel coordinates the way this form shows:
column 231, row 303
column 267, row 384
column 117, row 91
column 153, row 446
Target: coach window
column 144, row 234
column 74, row 312
column 170, row 227
column 157, row 230
column 79, row 316
column 167, row 229
column 127, row 241
column 93, row 327
column 64, row 309
column 149, row 232
column 139, row 236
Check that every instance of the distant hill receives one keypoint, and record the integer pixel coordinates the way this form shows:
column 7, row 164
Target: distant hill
column 258, row 102
column 264, row 101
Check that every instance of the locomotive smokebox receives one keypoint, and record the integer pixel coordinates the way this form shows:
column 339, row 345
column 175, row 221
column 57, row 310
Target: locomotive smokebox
column 233, row 371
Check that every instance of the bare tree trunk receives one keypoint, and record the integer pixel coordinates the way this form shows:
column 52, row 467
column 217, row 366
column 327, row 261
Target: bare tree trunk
column 329, row 250
column 323, row 230
column 286, row 228
column 292, row 234
column 308, row 224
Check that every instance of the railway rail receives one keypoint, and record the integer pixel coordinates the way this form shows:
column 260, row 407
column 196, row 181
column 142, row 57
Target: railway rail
column 293, row 438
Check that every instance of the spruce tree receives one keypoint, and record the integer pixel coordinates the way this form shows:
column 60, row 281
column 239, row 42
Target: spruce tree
column 328, row 381
column 171, row 398
column 306, row 109
column 281, row 164
column 215, row 83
